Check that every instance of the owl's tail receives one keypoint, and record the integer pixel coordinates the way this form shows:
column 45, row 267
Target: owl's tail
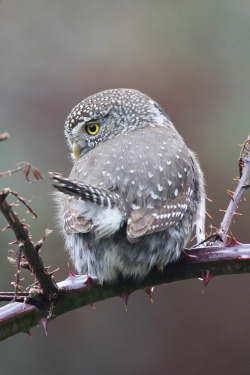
column 85, row 192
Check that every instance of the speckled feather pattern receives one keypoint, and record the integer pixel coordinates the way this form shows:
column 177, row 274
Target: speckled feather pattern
column 131, row 200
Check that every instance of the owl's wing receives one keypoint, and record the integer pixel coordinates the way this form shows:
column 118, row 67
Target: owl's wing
column 73, row 221
column 163, row 187
column 142, row 222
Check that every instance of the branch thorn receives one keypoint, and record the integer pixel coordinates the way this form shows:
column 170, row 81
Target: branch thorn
column 233, row 241
column 28, row 333
column 89, row 280
column 149, row 292
column 124, row 296
column 71, row 273
column 206, row 276
column 208, row 215
column 188, row 256
column 44, row 323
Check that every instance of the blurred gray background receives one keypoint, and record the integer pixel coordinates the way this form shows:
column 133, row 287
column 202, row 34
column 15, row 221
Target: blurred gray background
column 193, row 57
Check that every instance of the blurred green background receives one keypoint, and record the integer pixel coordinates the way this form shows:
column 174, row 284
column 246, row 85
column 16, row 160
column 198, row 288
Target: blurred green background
column 193, row 57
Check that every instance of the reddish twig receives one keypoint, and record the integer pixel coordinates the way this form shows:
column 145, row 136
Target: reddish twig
column 26, row 168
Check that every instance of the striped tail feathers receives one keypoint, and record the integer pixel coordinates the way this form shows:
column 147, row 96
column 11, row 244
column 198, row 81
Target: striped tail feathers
column 85, row 192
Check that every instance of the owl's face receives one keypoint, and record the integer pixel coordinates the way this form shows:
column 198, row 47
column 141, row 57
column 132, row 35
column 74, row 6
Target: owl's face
column 104, row 115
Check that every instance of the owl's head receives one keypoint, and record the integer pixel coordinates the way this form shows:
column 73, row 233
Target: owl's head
column 106, row 114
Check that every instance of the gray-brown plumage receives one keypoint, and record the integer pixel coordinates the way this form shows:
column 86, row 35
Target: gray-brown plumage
column 135, row 190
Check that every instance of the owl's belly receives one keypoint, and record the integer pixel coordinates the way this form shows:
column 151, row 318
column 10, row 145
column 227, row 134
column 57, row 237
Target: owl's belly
column 110, row 257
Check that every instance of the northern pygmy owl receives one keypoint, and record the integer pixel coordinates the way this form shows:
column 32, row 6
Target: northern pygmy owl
column 135, row 191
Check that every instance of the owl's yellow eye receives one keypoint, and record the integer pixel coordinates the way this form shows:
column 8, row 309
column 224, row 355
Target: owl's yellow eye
column 92, row 129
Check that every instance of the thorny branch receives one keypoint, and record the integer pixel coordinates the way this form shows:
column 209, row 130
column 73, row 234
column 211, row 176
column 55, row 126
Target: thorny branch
column 244, row 168
column 36, row 306
column 80, row 290
column 23, row 240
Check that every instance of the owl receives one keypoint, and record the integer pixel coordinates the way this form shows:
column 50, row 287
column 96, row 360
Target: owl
column 135, row 190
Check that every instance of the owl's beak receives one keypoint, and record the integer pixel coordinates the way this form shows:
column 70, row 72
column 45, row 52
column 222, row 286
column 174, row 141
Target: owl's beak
column 76, row 149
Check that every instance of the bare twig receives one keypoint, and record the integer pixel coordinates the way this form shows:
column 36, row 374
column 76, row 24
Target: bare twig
column 10, row 296
column 26, row 168
column 244, row 166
